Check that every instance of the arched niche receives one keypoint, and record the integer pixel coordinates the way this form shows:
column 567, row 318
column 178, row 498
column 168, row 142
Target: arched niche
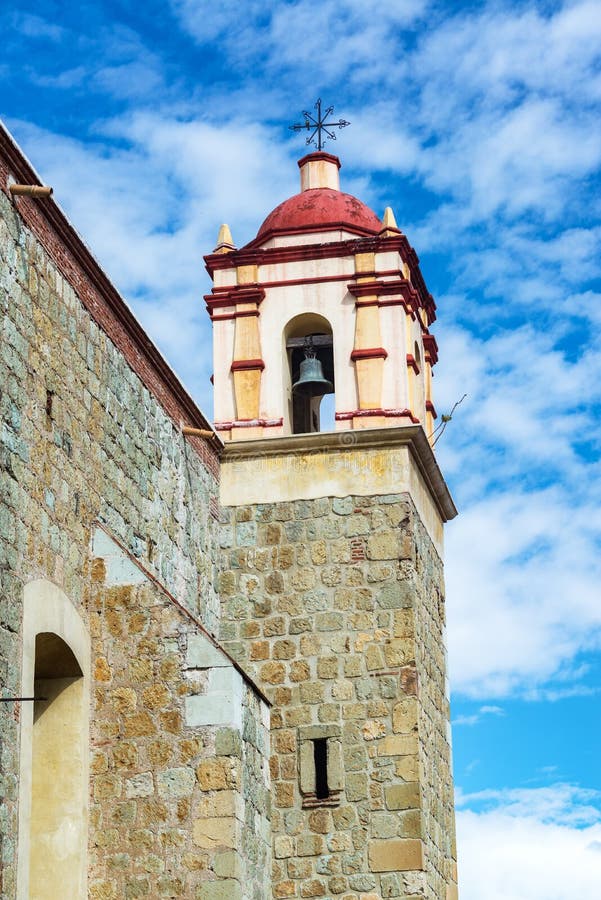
column 310, row 331
column 53, row 790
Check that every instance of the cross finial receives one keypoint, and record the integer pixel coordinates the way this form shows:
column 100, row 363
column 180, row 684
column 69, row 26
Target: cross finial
column 318, row 125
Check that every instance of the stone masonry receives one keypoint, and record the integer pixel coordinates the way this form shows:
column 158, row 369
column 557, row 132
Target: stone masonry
column 84, row 441
column 176, row 796
column 335, row 606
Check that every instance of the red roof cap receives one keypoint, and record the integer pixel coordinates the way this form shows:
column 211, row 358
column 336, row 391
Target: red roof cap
column 319, row 154
column 320, row 209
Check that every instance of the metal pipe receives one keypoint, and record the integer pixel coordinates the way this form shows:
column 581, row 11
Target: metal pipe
column 30, row 190
column 19, row 699
column 197, row 432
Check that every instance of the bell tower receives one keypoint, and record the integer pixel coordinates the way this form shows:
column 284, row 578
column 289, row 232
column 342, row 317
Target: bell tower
column 321, row 322
column 333, row 509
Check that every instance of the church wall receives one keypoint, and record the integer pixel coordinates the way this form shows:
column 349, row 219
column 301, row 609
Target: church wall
column 180, row 775
column 334, row 606
column 84, row 440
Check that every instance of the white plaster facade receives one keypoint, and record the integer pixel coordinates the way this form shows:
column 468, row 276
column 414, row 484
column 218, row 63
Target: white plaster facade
column 382, row 366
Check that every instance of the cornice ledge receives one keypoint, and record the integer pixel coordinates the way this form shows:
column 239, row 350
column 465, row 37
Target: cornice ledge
column 412, row 436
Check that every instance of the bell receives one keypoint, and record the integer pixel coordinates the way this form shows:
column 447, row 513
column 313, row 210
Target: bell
column 311, row 382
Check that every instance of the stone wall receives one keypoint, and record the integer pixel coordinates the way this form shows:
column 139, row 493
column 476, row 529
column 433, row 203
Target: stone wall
column 335, row 607
column 180, row 781
column 434, row 727
column 84, row 440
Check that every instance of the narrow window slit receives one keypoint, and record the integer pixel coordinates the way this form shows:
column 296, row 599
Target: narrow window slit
column 49, row 400
column 320, row 756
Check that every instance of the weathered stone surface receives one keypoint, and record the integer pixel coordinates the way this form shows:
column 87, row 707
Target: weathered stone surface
column 398, row 855
column 353, row 654
column 218, row 832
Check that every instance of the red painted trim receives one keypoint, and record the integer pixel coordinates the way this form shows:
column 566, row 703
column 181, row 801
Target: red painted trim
column 399, row 302
column 364, row 304
column 290, row 231
column 217, row 302
column 387, row 413
column 319, row 155
column 412, row 363
column 385, row 289
column 430, row 409
column 318, row 279
column 322, row 279
column 248, row 423
column 243, row 364
column 251, row 255
column 231, row 296
column 430, row 346
column 369, row 353
column 235, row 315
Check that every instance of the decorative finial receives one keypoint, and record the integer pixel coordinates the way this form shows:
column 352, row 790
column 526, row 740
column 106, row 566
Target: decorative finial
column 389, row 220
column 225, row 243
column 389, row 225
column 316, row 126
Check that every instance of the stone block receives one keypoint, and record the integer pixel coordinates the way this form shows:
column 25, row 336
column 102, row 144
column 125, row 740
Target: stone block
column 219, row 774
column 221, row 804
column 228, row 864
column 202, row 654
column 410, row 823
column 177, row 782
column 310, row 845
column 356, row 786
column 402, row 796
column 139, row 786
column 404, row 716
column 383, row 545
column 228, row 889
column 123, row 699
column 218, row 832
column 283, row 846
column 407, row 768
column 398, row 745
column 400, row 855
column 273, row 672
column 313, row 888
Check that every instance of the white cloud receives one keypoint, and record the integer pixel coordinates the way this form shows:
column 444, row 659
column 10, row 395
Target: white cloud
column 523, row 562
column 477, row 717
column 34, row 26
column 540, row 844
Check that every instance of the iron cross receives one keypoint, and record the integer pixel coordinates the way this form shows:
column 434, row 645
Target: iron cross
column 319, row 125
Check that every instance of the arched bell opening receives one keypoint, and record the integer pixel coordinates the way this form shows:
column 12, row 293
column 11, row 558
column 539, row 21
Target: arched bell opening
column 309, row 344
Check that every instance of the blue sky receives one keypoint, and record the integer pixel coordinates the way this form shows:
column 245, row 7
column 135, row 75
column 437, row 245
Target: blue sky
column 479, row 124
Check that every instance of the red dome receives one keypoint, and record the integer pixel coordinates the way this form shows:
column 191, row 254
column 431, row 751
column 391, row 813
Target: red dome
column 319, row 209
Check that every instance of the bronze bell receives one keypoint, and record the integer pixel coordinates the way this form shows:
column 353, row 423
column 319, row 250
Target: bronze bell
column 311, row 382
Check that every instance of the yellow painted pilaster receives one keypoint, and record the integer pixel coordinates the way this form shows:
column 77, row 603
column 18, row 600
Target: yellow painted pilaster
column 368, row 336
column 411, row 376
column 247, row 350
